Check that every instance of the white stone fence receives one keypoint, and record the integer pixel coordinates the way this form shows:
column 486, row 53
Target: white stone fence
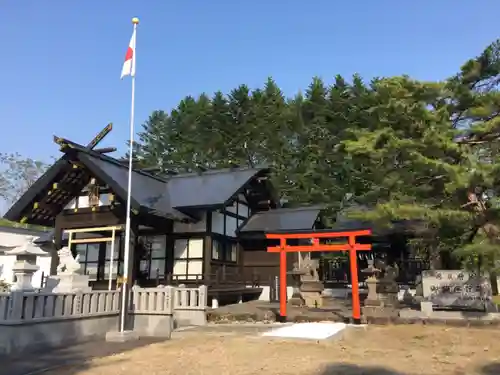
column 187, row 305
column 30, row 320
column 19, row 307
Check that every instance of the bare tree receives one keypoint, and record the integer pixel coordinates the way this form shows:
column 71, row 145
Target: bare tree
column 17, row 174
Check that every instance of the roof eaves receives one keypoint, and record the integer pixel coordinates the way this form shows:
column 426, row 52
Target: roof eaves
column 258, row 173
column 277, row 211
column 17, row 209
column 174, row 215
column 215, row 171
column 282, row 210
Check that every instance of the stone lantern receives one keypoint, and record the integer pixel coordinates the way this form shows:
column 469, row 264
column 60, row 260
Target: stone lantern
column 25, row 265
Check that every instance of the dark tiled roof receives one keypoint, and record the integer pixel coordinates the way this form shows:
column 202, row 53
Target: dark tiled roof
column 159, row 196
column 350, row 224
column 282, row 219
column 148, row 192
column 209, row 188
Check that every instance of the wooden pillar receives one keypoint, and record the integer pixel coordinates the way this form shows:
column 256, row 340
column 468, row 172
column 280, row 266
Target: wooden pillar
column 58, row 236
column 240, row 259
column 134, row 261
column 169, row 251
column 207, row 249
column 207, row 258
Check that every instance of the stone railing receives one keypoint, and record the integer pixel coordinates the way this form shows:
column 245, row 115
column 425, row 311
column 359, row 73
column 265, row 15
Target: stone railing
column 31, row 320
column 188, row 305
column 190, row 298
column 19, row 307
column 154, row 301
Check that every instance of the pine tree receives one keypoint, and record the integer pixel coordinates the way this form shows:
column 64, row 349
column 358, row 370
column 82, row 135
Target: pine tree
column 390, row 144
column 475, row 108
column 408, row 162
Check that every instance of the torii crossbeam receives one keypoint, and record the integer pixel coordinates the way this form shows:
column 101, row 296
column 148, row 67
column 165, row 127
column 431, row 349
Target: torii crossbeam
column 314, row 236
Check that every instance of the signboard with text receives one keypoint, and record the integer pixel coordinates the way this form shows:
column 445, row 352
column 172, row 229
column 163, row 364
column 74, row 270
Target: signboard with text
column 456, row 288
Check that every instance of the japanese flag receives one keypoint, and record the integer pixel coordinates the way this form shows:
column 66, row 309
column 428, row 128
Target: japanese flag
column 129, row 64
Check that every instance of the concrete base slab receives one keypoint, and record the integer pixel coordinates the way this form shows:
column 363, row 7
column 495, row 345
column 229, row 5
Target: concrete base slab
column 313, row 331
column 125, row 336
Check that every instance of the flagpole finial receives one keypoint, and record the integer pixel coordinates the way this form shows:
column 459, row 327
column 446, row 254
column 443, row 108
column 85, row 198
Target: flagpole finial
column 135, row 20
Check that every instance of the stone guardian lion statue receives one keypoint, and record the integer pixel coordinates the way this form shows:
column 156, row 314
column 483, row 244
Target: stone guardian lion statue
column 67, row 264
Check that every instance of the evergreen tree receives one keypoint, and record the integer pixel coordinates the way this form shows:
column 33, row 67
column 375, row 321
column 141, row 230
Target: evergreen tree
column 475, row 107
column 409, row 164
column 390, row 144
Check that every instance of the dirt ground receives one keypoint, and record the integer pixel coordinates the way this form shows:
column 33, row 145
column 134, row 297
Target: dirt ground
column 376, row 350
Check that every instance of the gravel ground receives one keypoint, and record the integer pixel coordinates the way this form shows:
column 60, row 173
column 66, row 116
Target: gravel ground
column 239, row 350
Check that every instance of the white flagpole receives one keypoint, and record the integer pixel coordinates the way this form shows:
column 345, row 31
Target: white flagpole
column 126, row 250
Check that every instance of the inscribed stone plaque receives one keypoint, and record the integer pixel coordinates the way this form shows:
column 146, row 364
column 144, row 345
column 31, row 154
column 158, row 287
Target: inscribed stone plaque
column 456, row 288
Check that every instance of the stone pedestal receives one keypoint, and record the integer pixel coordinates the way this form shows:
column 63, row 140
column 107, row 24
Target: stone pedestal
column 125, row 336
column 372, row 299
column 311, row 292
column 380, row 312
column 310, row 286
column 296, row 298
column 23, row 271
column 387, row 291
column 426, row 308
column 68, row 283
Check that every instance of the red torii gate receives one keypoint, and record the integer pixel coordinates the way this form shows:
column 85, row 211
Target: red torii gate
column 351, row 246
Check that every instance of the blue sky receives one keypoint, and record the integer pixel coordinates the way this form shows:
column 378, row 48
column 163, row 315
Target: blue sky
column 61, row 60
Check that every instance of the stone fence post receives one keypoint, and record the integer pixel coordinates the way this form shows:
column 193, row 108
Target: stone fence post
column 16, row 306
column 203, row 296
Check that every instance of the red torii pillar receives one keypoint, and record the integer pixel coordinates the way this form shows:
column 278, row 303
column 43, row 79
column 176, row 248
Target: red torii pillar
column 351, row 246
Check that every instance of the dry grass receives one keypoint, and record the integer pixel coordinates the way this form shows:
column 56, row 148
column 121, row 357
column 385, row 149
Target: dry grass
column 422, row 350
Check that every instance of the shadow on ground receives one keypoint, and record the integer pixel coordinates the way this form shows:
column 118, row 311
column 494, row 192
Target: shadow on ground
column 75, row 355
column 348, row 369
column 491, row 369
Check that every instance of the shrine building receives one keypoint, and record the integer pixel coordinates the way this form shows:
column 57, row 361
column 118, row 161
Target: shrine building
column 206, row 227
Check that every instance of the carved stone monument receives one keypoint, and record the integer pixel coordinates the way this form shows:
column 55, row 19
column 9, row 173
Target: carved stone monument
column 310, row 285
column 69, row 276
column 25, row 265
column 457, row 289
